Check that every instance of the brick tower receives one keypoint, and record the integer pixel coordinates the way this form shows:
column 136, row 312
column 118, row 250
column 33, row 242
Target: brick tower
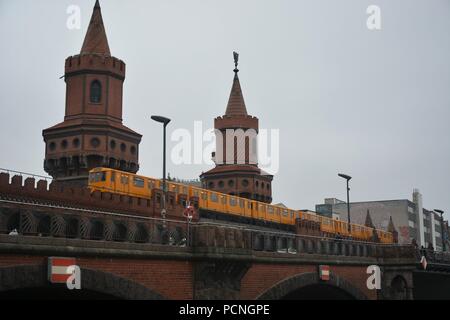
column 236, row 171
column 92, row 133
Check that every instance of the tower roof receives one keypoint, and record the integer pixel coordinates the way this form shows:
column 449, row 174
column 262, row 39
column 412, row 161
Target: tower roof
column 95, row 40
column 236, row 105
column 369, row 222
column 391, row 227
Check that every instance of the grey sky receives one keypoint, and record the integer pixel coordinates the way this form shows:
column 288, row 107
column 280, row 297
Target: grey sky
column 373, row 104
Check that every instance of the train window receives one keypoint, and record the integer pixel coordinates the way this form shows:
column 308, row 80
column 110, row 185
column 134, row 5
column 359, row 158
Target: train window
column 224, row 200
column 138, row 182
column 270, row 209
column 263, row 208
column 151, row 184
column 241, row 203
column 232, row 201
column 184, row 190
column 292, row 214
column 213, row 197
column 249, row 205
column 204, row 196
column 285, row 212
column 195, row 193
column 113, row 176
column 124, row 179
column 277, row 211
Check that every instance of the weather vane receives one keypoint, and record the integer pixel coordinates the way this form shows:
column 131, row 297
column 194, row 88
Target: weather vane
column 236, row 60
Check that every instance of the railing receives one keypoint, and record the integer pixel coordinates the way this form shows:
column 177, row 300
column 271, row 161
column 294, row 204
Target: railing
column 209, row 234
column 47, row 220
column 50, row 221
column 432, row 256
column 26, row 174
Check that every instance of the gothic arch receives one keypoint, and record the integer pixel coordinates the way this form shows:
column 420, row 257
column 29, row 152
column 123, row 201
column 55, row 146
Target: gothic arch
column 35, row 276
column 289, row 285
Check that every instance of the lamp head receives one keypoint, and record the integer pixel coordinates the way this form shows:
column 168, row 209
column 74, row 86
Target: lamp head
column 346, row 177
column 161, row 119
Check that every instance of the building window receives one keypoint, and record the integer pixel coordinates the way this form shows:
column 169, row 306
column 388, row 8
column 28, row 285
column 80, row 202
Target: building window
column 221, row 184
column 123, row 147
column 112, row 144
column 133, row 150
column 211, row 185
column 64, row 144
column 96, row 91
column 95, row 142
column 76, row 142
column 411, row 223
column 230, row 183
column 244, row 182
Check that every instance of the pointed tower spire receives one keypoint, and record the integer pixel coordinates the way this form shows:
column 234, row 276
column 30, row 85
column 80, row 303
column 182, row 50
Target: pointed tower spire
column 369, row 222
column 236, row 105
column 391, row 228
column 95, row 40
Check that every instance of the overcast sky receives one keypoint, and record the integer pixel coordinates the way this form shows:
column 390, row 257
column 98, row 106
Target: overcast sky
column 372, row 104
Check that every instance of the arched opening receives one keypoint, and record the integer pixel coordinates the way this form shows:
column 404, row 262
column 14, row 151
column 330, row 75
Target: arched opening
column 96, row 92
column 142, row 235
column 318, row 292
column 43, row 228
column 95, row 284
column 308, row 286
column 399, row 289
column 72, row 228
column 97, row 230
column 120, row 232
column 13, row 222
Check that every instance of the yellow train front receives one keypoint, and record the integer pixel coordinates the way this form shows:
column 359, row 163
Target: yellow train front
column 223, row 206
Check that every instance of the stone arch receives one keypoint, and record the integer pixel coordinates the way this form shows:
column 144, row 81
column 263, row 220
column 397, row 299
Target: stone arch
column 399, row 288
column 35, row 276
column 289, row 285
column 44, row 225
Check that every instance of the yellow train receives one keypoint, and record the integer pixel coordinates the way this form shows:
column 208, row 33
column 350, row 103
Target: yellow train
column 114, row 181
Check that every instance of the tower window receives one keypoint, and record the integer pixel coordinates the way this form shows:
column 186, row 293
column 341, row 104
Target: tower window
column 96, row 91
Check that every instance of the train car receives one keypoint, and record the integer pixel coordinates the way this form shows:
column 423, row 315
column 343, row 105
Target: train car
column 124, row 183
column 385, row 237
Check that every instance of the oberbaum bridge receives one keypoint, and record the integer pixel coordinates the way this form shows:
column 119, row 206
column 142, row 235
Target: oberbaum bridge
column 120, row 242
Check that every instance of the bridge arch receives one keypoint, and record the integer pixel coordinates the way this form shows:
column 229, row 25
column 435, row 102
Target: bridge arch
column 286, row 288
column 104, row 284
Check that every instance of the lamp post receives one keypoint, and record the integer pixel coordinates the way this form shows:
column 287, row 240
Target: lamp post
column 441, row 212
column 165, row 121
column 347, row 177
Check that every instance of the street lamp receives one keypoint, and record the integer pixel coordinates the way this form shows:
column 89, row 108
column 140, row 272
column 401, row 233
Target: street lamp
column 442, row 227
column 347, row 177
column 165, row 121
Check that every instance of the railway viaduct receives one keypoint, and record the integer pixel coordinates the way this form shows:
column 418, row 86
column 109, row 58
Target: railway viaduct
column 125, row 251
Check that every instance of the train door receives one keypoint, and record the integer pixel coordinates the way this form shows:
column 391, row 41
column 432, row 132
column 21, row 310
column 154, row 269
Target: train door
column 112, row 181
column 124, row 183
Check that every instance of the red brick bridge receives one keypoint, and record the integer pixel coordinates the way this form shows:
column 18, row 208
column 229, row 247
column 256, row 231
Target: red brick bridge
column 126, row 251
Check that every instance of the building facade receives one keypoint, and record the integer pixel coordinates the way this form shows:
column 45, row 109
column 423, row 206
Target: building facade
column 92, row 133
column 410, row 219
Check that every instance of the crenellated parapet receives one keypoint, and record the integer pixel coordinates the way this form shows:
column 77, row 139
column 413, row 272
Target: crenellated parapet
column 94, row 63
column 60, row 195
